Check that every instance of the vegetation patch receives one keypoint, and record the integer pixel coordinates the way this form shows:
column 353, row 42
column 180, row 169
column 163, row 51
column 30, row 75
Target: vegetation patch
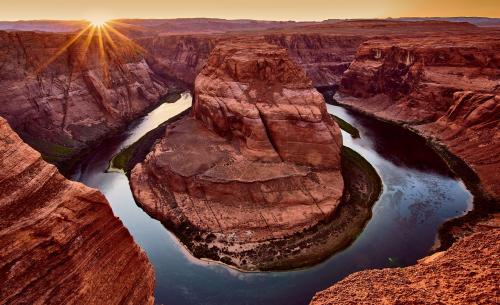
column 128, row 157
column 51, row 152
column 345, row 126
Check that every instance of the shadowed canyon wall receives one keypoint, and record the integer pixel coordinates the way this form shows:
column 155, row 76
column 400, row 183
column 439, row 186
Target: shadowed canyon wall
column 61, row 100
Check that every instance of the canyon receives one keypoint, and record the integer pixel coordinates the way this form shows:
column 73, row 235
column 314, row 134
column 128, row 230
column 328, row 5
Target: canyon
column 60, row 241
column 435, row 78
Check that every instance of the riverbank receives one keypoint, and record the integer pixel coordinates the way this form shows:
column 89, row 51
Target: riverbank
column 67, row 165
column 384, row 236
column 127, row 158
column 362, row 188
column 484, row 206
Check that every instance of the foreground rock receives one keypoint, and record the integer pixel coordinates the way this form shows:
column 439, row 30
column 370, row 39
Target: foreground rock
column 59, row 240
column 445, row 88
column 257, row 162
column 467, row 273
column 63, row 94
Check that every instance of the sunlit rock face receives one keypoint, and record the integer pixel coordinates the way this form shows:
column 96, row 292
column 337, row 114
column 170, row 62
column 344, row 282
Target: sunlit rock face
column 264, row 102
column 258, row 160
column 61, row 96
column 471, row 129
column 446, row 88
column 59, row 240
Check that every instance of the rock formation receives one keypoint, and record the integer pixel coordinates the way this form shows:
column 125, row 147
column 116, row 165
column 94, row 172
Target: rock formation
column 61, row 94
column 445, row 88
column 258, row 160
column 59, row 240
column 467, row 273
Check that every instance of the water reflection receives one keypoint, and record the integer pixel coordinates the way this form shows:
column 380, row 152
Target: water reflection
column 419, row 194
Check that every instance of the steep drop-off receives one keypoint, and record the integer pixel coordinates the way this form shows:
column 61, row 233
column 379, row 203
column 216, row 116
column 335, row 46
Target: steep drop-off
column 467, row 273
column 59, row 240
column 447, row 89
column 257, row 162
column 62, row 94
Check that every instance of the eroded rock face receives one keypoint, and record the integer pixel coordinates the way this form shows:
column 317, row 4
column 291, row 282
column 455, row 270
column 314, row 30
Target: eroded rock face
column 467, row 273
column 470, row 129
column 62, row 101
column 445, row 88
column 258, row 160
column 324, row 57
column 265, row 103
column 59, row 240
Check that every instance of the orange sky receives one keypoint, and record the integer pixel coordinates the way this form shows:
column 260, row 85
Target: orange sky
column 253, row 9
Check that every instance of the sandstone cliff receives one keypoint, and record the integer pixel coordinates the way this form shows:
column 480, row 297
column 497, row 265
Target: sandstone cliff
column 467, row 273
column 61, row 95
column 59, row 240
column 258, row 161
column 446, row 88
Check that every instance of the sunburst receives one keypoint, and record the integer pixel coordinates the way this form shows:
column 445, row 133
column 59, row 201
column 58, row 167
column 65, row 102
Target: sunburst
column 98, row 21
column 99, row 32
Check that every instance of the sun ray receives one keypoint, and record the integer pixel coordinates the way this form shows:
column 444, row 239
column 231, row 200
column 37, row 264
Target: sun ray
column 86, row 45
column 44, row 64
column 102, row 56
column 113, row 47
column 115, row 51
column 134, row 45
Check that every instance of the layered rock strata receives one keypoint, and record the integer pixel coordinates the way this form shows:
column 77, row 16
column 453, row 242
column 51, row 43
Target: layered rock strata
column 323, row 50
column 258, row 160
column 447, row 89
column 63, row 92
column 59, row 240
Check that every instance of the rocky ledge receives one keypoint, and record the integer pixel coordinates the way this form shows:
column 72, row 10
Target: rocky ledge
column 59, row 240
column 257, row 162
column 467, row 273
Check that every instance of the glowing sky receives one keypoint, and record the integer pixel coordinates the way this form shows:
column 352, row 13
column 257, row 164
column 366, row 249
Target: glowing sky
column 253, row 9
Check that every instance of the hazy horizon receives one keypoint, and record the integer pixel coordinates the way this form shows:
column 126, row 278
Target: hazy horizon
column 278, row 10
column 236, row 19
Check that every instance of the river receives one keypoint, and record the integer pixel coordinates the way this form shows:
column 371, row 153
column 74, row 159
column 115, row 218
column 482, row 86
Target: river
column 419, row 194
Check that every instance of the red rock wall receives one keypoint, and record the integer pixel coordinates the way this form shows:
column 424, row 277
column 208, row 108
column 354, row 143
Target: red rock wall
column 324, row 57
column 445, row 87
column 256, row 96
column 59, row 240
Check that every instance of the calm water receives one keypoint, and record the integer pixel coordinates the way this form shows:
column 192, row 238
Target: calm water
column 419, row 194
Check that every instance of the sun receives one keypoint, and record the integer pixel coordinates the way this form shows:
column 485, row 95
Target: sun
column 97, row 21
